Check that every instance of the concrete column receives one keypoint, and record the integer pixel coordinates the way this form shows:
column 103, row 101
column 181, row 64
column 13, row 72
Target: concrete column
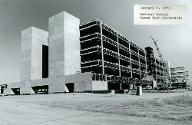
column 118, row 56
column 102, row 53
column 139, row 64
column 130, row 60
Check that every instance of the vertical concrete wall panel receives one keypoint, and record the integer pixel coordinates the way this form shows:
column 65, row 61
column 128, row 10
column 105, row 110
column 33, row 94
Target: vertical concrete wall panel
column 72, row 44
column 39, row 38
column 26, row 52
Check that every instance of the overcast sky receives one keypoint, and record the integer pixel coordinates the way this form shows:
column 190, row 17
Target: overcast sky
column 175, row 41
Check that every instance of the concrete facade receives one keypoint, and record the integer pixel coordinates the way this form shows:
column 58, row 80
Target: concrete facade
column 64, row 45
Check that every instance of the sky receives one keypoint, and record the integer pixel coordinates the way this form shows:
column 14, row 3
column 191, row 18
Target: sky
column 175, row 41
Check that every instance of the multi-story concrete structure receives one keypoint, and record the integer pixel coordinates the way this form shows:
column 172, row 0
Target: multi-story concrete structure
column 107, row 52
column 179, row 77
column 155, row 67
column 73, row 57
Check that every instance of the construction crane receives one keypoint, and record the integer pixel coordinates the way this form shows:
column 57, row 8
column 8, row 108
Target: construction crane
column 157, row 48
column 167, row 77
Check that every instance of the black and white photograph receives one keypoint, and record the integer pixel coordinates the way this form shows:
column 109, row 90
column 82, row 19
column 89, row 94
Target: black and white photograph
column 95, row 62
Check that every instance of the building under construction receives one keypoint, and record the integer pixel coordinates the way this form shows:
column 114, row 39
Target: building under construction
column 77, row 58
column 155, row 67
column 179, row 77
column 104, row 51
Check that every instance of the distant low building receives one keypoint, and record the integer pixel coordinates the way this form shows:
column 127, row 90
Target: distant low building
column 179, row 77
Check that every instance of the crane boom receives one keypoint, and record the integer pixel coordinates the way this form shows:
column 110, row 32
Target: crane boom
column 157, row 48
column 167, row 77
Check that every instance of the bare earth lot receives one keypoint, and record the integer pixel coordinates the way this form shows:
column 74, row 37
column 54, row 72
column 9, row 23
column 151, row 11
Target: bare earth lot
column 97, row 109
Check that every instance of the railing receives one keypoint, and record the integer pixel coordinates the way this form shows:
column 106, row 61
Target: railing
column 109, row 52
column 123, row 48
column 136, row 71
column 90, row 63
column 142, row 65
column 110, row 41
column 111, row 65
column 89, row 26
column 134, row 62
column 141, row 52
column 104, row 26
column 95, row 21
column 134, row 53
column 90, row 37
column 123, row 38
column 134, row 45
column 142, row 57
column 90, row 49
column 125, row 68
column 127, row 59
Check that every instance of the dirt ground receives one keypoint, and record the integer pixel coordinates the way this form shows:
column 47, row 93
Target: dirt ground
column 97, row 109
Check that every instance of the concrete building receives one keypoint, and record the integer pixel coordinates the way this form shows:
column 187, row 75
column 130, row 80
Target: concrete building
column 106, row 52
column 77, row 58
column 179, row 77
column 155, row 67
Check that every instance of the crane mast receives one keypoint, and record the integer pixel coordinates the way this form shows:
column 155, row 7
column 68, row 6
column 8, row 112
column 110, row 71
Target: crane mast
column 157, row 48
column 166, row 75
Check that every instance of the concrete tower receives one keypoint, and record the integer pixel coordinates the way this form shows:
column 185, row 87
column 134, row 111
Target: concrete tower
column 64, row 45
column 33, row 43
